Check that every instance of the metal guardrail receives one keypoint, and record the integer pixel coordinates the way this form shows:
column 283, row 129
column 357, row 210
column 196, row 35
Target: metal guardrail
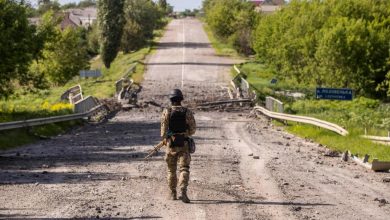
column 120, row 83
column 224, row 102
column 74, row 94
column 377, row 138
column 48, row 120
column 243, row 87
column 303, row 119
column 85, row 104
column 131, row 69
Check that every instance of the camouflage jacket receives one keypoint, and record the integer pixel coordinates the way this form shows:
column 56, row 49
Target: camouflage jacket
column 189, row 119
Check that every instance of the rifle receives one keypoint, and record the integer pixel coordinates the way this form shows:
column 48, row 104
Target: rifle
column 156, row 149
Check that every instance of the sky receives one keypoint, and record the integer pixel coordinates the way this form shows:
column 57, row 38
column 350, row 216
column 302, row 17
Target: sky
column 179, row 5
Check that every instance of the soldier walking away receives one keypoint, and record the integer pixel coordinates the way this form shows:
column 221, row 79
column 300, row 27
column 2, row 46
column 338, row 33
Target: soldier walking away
column 177, row 124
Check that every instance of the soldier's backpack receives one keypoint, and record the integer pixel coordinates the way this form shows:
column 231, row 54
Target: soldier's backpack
column 177, row 126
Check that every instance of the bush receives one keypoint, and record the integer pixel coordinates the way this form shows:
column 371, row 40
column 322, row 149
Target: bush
column 329, row 43
column 232, row 21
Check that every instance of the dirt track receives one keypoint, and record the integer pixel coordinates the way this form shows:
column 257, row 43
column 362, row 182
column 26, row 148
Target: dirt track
column 98, row 171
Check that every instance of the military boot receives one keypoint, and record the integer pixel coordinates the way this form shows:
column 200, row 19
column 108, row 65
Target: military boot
column 172, row 195
column 184, row 197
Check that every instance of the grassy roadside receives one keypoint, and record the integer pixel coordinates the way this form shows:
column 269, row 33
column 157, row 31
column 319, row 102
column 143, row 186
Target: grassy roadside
column 352, row 142
column 355, row 115
column 46, row 103
column 221, row 48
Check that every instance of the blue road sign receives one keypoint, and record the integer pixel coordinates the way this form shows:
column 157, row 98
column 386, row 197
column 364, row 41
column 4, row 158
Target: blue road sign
column 90, row 73
column 334, row 94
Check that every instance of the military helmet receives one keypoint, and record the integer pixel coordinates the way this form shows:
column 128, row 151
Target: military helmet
column 176, row 94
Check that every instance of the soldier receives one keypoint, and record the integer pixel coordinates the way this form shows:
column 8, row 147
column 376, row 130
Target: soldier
column 177, row 124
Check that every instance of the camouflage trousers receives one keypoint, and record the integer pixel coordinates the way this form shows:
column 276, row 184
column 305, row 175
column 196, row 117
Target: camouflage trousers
column 173, row 157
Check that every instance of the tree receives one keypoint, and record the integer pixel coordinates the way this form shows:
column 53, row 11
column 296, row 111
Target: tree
column 63, row 56
column 47, row 5
column 111, row 21
column 163, row 4
column 142, row 18
column 92, row 38
column 17, row 45
column 329, row 43
column 232, row 21
column 86, row 3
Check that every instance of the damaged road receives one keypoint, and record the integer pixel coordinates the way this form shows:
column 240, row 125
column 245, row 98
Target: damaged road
column 244, row 168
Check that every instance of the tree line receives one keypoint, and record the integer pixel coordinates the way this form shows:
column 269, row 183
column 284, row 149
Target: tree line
column 329, row 43
column 128, row 25
column 40, row 56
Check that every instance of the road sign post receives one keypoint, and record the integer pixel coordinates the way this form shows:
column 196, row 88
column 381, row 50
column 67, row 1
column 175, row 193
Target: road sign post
column 90, row 73
column 334, row 94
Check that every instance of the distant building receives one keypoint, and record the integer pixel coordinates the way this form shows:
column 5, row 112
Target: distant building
column 34, row 21
column 85, row 16
column 257, row 2
column 268, row 9
column 79, row 17
column 267, row 6
column 70, row 20
column 73, row 18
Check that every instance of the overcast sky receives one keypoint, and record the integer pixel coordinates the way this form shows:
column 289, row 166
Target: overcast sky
column 179, row 5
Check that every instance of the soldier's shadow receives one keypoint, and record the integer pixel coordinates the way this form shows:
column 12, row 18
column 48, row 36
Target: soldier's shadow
column 249, row 202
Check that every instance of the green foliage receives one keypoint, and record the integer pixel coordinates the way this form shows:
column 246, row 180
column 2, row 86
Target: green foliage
column 163, row 4
column 357, row 115
column 221, row 48
column 232, row 21
column 86, row 3
column 92, row 38
column 142, row 18
column 47, row 5
column 63, row 56
column 111, row 21
column 353, row 142
column 329, row 43
column 81, row 4
column 189, row 13
column 18, row 137
column 19, row 45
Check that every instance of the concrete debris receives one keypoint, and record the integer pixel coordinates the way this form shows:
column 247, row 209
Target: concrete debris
column 386, row 180
column 382, row 202
column 278, row 143
column 366, row 157
column 256, row 157
column 296, row 208
column 345, row 156
column 331, row 153
column 251, row 154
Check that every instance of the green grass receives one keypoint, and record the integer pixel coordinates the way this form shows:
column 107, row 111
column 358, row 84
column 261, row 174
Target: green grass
column 260, row 76
column 352, row 142
column 17, row 137
column 221, row 48
column 355, row 116
column 24, row 105
column 47, row 102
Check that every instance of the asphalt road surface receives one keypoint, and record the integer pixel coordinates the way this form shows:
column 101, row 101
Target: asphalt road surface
column 97, row 171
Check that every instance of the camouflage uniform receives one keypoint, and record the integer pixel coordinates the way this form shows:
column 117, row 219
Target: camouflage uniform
column 178, row 155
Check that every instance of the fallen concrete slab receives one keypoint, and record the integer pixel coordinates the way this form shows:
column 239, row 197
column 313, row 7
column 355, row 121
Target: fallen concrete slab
column 380, row 165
